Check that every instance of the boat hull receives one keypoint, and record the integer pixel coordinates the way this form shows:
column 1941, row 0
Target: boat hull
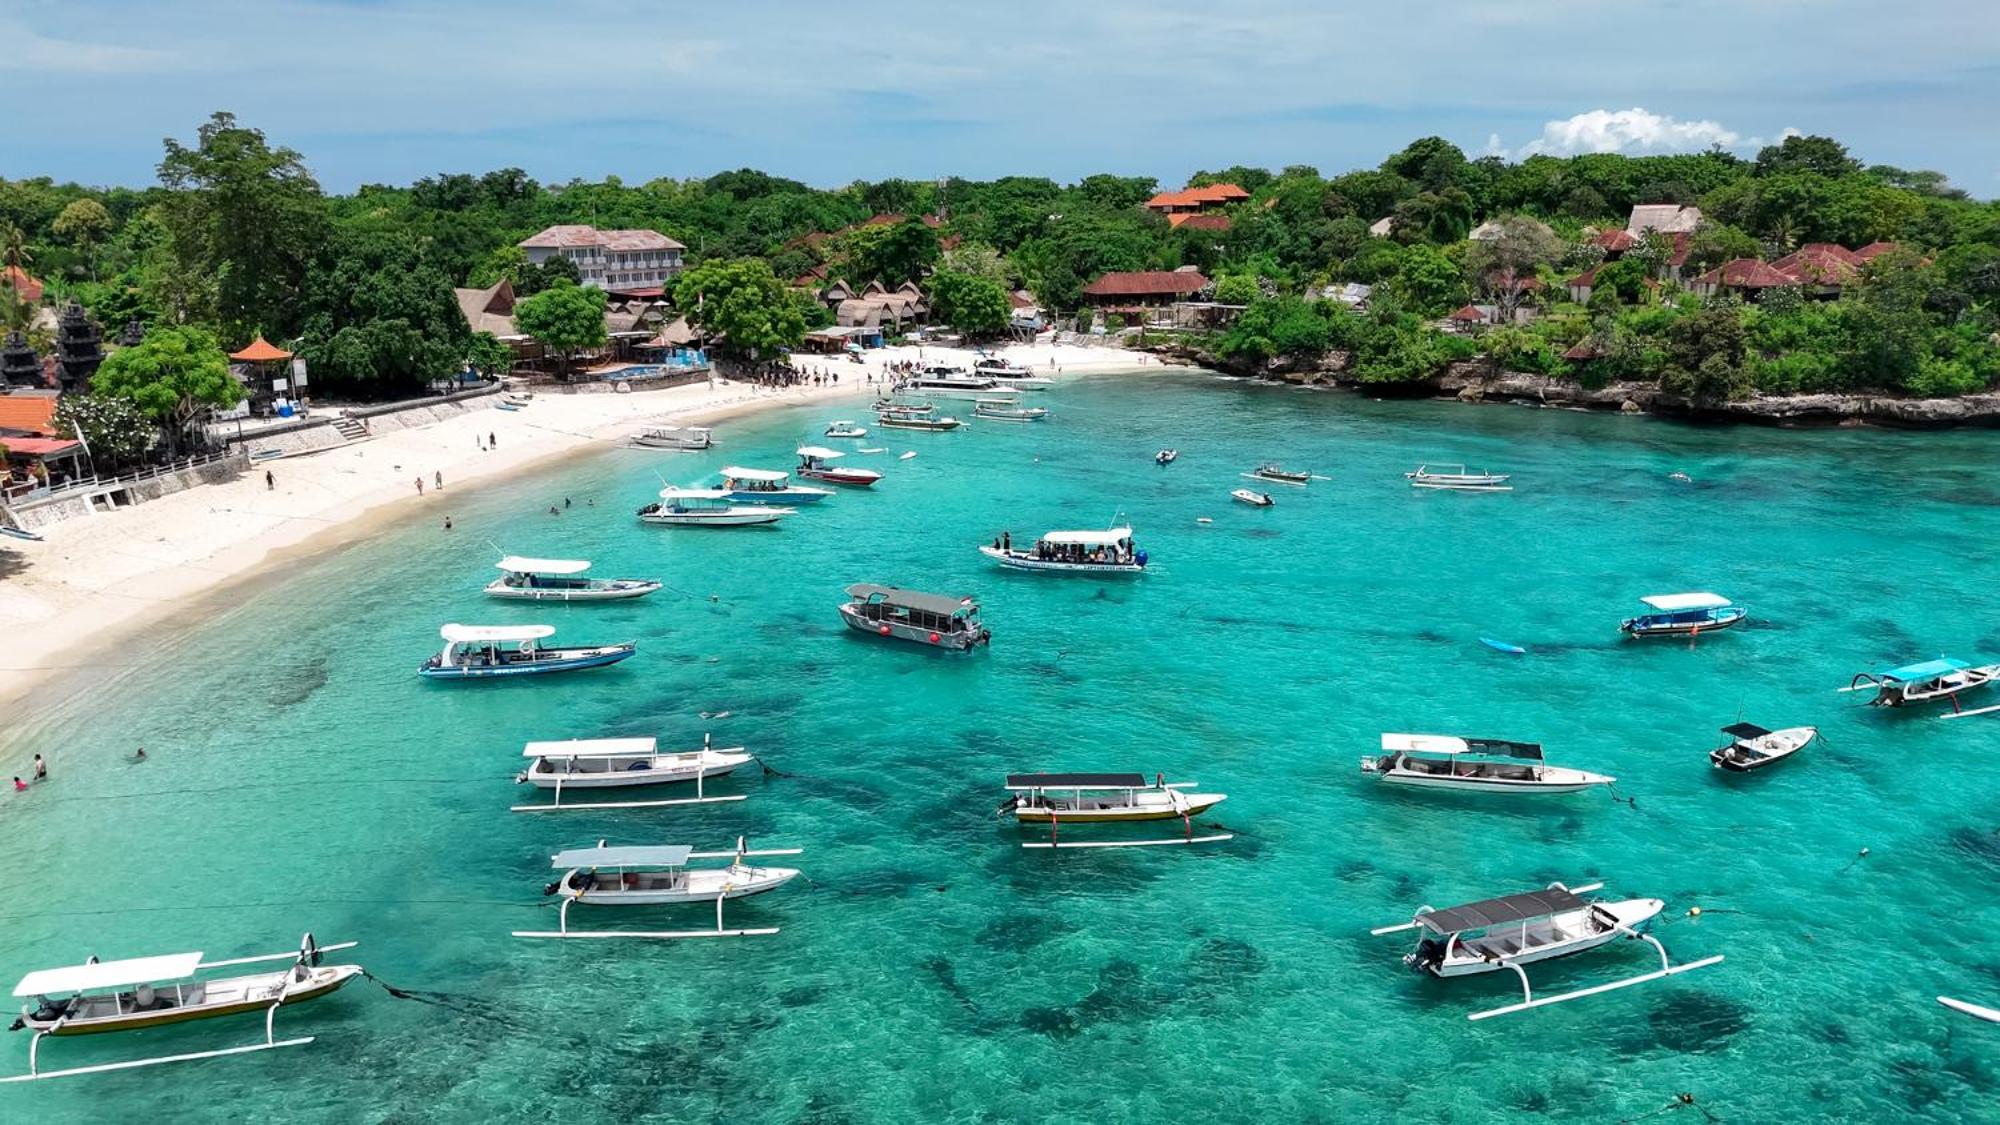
column 1198, row 803
column 1015, row 560
column 541, row 594
column 1492, row 785
column 703, row 885
column 1762, row 752
column 787, row 496
column 1633, row 913
column 938, row 425
column 664, row 770
column 549, row 660
column 852, row 478
column 1245, row 496
column 329, row 979
column 1645, row 627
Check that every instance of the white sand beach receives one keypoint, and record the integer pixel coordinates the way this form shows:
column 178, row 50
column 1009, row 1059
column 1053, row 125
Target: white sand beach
column 93, row 578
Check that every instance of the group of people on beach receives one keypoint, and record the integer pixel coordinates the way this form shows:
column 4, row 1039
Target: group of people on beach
column 780, row 375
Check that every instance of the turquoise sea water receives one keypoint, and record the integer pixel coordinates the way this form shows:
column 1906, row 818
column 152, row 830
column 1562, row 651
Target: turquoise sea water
column 302, row 777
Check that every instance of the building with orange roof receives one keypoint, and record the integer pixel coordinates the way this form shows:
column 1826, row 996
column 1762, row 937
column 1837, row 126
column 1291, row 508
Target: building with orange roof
column 1194, row 199
column 29, row 289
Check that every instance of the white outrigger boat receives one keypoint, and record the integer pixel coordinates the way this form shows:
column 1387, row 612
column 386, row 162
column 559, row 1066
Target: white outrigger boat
column 1683, row 615
column 1522, row 929
column 1271, row 471
column 482, row 651
column 1252, row 498
column 658, row 876
column 1056, row 799
column 685, row 439
column 928, row 420
column 142, row 992
column 816, row 462
column 937, row 620
column 1008, row 410
column 845, row 429
column 1927, row 681
column 1474, row 765
column 768, row 486
column 1073, row 552
column 556, row 580
column 1457, row 478
column 707, row 507
column 1751, row 747
column 625, row 763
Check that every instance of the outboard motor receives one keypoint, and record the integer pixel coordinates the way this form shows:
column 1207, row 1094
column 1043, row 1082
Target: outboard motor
column 1140, row 558
column 551, row 888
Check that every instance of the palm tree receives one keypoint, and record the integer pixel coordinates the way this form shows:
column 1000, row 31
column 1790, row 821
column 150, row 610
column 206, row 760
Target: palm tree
column 14, row 247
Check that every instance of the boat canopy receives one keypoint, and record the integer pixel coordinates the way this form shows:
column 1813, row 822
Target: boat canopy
column 734, row 473
column 672, row 493
column 465, row 634
column 671, row 430
column 1076, row 781
column 1447, row 744
column 1110, row 537
column 1675, row 603
column 1925, row 670
column 109, row 974
column 517, row 564
column 1524, row 907
column 942, row 604
column 1744, row 730
column 821, row 452
column 594, row 748
column 660, row 855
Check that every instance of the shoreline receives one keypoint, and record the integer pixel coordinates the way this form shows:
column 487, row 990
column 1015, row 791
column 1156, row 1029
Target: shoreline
column 99, row 579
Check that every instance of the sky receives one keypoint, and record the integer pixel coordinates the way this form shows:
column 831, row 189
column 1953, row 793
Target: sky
column 386, row 91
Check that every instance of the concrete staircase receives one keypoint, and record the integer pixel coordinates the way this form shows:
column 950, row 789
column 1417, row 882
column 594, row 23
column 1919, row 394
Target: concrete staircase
column 351, row 429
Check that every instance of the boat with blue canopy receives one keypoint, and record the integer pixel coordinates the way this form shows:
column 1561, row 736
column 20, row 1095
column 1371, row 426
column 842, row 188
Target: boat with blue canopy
column 484, row 651
column 1683, row 615
column 1927, row 681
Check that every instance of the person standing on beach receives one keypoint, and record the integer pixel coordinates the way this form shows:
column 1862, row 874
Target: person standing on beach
column 438, row 476
column 270, row 482
column 420, row 486
column 492, row 443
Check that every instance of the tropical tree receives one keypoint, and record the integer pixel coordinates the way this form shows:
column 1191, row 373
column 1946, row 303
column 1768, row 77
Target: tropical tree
column 380, row 320
column 1502, row 266
column 175, row 375
column 741, row 300
column 565, row 318
column 1705, row 356
column 14, row 247
column 488, row 355
column 84, row 223
column 976, row 306
column 114, row 430
column 901, row 254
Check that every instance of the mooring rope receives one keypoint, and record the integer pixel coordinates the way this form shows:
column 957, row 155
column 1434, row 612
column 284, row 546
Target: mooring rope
column 485, row 1010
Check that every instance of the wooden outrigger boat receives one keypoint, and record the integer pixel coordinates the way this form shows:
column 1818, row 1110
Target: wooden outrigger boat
column 556, row 580
column 1008, row 410
column 1457, row 478
column 1683, row 615
column 707, row 507
column 1474, row 765
column 1110, row 551
column 816, row 462
column 685, row 439
column 1270, row 471
column 658, row 876
column 481, row 651
column 1056, row 799
column 142, row 992
column 936, row 620
column 1523, row 929
column 911, row 420
column 625, row 763
column 1752, row 748
column 1928, row 681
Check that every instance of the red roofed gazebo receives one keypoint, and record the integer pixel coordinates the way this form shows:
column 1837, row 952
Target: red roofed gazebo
column 261, row 350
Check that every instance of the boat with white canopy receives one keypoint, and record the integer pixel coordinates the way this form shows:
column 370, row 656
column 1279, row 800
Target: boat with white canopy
column 1752, row 747
column 685, row 439
column 659, row 875
column 1109, row 551
column 480, row 651
column 1683, row 615
column 767, row 486
column 1458, row 478
column 1008, row 410
column 1927, row 681
column 816, row 462
column 1011, row 375
column 558, row 580
column 1056, row 799
column 1474, row 765
column 141, row 992
column 707, row 507
column 925, row 420
column 950, row 382
column 1508, row 932
column 845, row 428
column 625, row 763
column 936, row 620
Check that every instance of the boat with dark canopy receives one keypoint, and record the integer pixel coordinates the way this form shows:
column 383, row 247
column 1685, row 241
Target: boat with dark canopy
column 1477, row 765
column 936, row 620
column 1752, row 747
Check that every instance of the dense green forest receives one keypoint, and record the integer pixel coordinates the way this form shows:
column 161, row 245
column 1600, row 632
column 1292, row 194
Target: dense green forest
column 238, row 237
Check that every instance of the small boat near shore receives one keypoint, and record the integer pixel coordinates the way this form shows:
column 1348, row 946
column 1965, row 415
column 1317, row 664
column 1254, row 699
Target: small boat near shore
column 624, row 763
column 897, row 420
column 767, row 486
column 1508, row 932
column 1457, row 478
column 1683, row 615
column 1271, row 471
column 1927, row 681
column 99, row 997
column 526, row 579
column 1056, row 799
column 486, row 651
column 1109, row 551
column 1008, row 410
column 816, row 462
column 1752, row 747
column 707, row 507
column 845, row 429
column 1254, row 499
column 685, row 439
column 1012, row 376
column 1474, row 765
column 933, row 620
column 658, row 875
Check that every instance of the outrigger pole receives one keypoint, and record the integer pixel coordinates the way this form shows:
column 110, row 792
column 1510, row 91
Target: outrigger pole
column 1187, row 838
column 562, row 923
column 1666, row 969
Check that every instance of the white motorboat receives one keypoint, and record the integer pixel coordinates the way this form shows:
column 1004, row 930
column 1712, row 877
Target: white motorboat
column 1254, row 499
column 1109, row 551
column 658, row 876
column 1166, row 456
column 1457, row 478
column 895, row 420
column 1056, row 799
column 1522, row 929
column 625, row 763
column 145, row 992
column 1011, row 376
column 1751, row 747
column 816, row 462
column 529, row 579
column 1474, row 765
column 474, row 652
column 683, row 438
column 950, row 382
column 845, row 429
column 707, row 507
column 1683, row 615
column 1008, row 410
column 767, row 486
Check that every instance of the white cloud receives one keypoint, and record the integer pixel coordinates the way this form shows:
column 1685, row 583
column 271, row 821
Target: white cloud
column 1629, row 130
column 39, row 53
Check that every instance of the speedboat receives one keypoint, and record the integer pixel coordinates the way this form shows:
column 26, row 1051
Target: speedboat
column 658, row 875
column 685, row 438
column 935, row 620
column 484, row 651
column 766, row 486
column 1457, row 478
column 557, row 580
column 1254, row 499
column 1271, row 472
column 1751, row 747
column 845, row 429
column 1073, row 552
column 1683, row 615
column 1474, row 765
column 707, row 507
column 816, row 462
column 1008, row 410
column 1166, row 456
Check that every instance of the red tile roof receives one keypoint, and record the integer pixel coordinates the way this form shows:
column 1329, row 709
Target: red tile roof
column 1815, row 265
column 1683, row 242
column 1832, row 250
column 1875, row 250
column 1587, row 277
column 627, row 241
column 1470, row 314
column 1147, row 283
column 28, row 412
column 1616, row 241
column 1746, row 273
column 29, row 288
column 38, row 447
column 1194, row 221
column 1198, row 196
